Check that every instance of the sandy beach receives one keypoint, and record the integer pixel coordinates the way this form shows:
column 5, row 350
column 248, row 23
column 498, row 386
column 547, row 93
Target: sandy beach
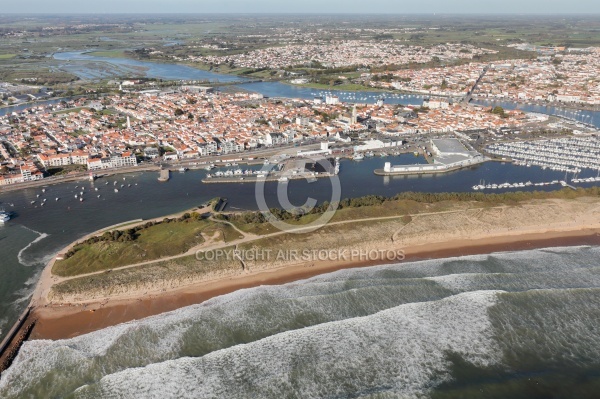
column 110, row 297
column 65, row 321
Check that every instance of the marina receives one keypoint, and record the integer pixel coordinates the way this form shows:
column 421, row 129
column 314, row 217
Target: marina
column 570, row 154
column 519, row 185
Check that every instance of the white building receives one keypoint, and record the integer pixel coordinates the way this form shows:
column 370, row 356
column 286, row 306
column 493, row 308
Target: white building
column 436, row 104
column 332, row 100
column 125, row 159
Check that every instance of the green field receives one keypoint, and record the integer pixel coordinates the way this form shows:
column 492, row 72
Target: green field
column 28, row 54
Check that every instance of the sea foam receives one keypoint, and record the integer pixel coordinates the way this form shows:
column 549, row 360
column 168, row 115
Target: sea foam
column 400, row 351
column 380, row 329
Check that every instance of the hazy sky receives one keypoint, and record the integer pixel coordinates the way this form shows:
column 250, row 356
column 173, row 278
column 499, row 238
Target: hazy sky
column 302, row 6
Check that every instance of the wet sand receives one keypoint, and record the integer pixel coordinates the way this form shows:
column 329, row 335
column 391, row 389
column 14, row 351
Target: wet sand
column 58, row 322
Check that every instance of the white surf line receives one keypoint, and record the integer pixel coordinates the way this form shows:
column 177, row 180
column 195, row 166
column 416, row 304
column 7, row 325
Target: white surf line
column 20, row 254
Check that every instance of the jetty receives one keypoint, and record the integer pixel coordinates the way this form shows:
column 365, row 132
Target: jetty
column 165, row 175
column 446, row 155
column 9, row 348
column 220, row 205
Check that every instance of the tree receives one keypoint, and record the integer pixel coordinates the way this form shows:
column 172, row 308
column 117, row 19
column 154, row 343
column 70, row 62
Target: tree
column 498, row 110
column 178, row 112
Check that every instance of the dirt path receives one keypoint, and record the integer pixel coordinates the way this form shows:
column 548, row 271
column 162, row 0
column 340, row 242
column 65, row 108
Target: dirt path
column 47, row 279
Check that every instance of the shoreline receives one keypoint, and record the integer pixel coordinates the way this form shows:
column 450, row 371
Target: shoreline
column 66, row 321
column 45, row 281
column 81, row 176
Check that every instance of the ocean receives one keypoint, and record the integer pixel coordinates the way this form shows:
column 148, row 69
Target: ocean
column 513, row 324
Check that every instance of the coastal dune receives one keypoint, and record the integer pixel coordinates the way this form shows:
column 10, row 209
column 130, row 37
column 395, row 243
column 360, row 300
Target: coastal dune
column 76, row 305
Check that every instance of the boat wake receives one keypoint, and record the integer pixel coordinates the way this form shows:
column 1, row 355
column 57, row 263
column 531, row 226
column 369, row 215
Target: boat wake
column 33, row 262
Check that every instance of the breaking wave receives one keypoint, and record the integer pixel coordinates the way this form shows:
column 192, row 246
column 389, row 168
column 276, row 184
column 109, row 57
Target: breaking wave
column 386, row 331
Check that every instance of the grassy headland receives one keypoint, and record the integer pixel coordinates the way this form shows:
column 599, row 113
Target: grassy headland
column 146, row 242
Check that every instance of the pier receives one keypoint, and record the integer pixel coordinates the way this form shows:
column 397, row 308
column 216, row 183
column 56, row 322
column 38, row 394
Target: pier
column 447, row 155
column 264, row 178
column 165, row 175
column 423, row 169
column 221, row 205
column 290, row 169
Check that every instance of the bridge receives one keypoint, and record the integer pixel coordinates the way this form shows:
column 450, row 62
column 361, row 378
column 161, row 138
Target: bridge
column 469, row 96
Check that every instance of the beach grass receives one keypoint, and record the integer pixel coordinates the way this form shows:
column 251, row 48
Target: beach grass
column 386, row 209
column 190, row 269
column 155, row 242
column 169, row 273
column 438, row 222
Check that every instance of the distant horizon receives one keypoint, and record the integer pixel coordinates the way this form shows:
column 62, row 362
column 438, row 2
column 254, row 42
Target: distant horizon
column 514, row 14
column 308, row 7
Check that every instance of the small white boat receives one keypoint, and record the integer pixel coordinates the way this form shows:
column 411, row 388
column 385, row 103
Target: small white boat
column 4, row 216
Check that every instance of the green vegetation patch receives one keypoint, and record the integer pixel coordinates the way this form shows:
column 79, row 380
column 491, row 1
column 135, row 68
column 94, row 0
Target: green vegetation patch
column 376, row 206
column 178, row 271
column 146, row 242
